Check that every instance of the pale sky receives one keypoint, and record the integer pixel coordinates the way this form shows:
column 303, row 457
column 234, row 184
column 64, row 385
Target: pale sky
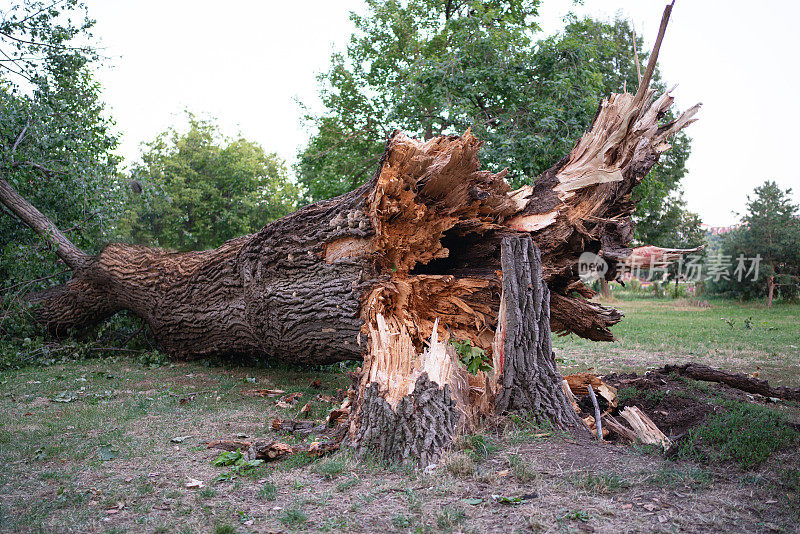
column 245, row 63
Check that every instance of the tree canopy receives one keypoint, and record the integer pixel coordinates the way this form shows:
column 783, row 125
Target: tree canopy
column 195, row 190
column 57, row 141
column 770, row 230
column 433, row 67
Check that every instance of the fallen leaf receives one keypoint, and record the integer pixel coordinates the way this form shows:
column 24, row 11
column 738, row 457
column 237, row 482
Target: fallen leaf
column 116, row 508
column 503, row 473
column 107, row 452
column 194, row 483
column 179, row 439
column 316, row 384
column 502, row 499
column 626, row 506
column 473, row 501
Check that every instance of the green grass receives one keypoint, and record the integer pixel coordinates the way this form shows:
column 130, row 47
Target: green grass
column 333, row 466
column 268, row 491
column 293, row 517
column 680, row 475
column 55, row 476
column 658, row 331
column 48, row 445
column 600, row 483
column 743, row 433
column 449, row 518
column 520, row 468
column 478, row 446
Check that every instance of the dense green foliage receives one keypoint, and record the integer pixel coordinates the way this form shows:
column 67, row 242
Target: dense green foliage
column 433, row 67
column 770, row 229
column 56, row 142
column 195, row 190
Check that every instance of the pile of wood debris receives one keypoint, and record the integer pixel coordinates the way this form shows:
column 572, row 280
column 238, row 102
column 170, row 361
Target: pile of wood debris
column 580, row 388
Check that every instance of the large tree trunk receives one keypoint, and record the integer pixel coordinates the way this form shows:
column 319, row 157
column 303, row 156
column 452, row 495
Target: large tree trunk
column 431, row 248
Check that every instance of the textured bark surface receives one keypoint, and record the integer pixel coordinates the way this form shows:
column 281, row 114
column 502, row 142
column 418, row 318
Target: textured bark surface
column 530, row 381
column 300, row 289
column 417, row 429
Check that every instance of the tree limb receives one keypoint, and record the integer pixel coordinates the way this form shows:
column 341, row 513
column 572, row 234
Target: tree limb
column 74, row 257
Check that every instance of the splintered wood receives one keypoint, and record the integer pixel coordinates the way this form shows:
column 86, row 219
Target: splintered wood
column 642, row 427
column 646, row 431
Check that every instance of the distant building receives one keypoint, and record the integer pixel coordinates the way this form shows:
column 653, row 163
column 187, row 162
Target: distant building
column 719, row 230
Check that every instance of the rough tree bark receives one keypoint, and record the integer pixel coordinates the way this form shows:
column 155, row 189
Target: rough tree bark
column 431, row 248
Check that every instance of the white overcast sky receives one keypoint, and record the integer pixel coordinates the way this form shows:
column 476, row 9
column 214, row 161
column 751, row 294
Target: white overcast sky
column 245, row 63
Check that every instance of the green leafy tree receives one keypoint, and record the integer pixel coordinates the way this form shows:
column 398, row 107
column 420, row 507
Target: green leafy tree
column 433, row 67
column 198, row 189
column 770, row 229
column 56, row 140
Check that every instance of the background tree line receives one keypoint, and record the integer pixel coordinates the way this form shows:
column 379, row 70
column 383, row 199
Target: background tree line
column 429, row 67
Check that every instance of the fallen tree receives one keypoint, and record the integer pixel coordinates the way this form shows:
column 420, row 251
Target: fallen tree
column 432, row 250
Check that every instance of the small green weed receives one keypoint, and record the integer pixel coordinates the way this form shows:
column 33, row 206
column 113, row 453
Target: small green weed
column 207, row 493
column 790, row 478
column 331, row 467
column 522, row 471
column 526, row 427
column 402, row 521
column 334, row 524
column 225, row 529
column 347, row 484
column 268, row 491
column 479, row 446
column 600, row 483
column 449, row 518
column 575, row 515
column 293, row 517
column 237, row 461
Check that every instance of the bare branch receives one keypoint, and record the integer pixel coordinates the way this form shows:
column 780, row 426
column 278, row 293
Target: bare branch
column 74, row 257
column 651, row 64
column 20, row 137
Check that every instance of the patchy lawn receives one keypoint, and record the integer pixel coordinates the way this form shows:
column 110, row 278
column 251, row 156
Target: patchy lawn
column 746, row 338
column 88, row 446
